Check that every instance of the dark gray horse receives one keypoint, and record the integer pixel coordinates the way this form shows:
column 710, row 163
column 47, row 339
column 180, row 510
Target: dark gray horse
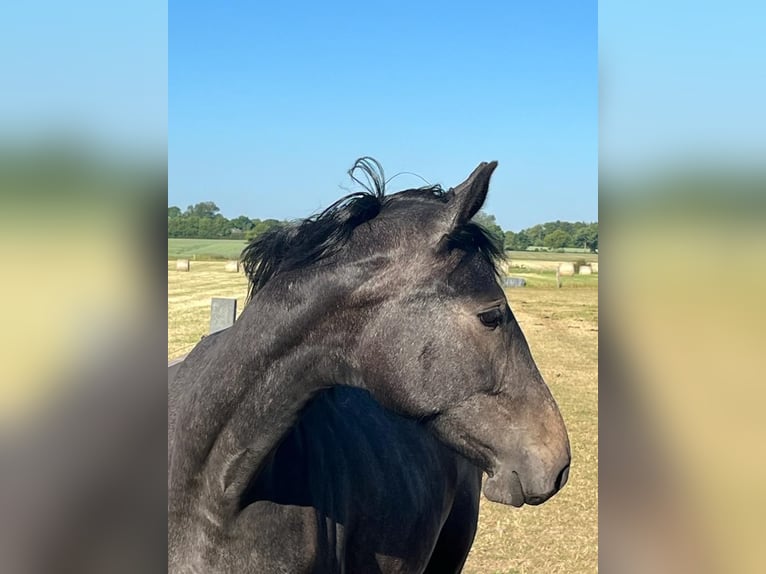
column 343, row 423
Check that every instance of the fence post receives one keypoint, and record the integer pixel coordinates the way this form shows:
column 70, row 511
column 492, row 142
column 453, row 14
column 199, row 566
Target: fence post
column 222, row 313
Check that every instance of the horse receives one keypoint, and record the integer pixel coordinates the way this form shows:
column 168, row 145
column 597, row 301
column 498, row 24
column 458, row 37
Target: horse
column 346, row 419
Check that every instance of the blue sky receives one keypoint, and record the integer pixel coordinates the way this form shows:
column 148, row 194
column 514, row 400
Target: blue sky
column 86, row 69
column 682, row 83
column 270, row 103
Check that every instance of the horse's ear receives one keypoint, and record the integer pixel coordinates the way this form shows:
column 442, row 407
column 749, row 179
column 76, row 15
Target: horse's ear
column 468, row 197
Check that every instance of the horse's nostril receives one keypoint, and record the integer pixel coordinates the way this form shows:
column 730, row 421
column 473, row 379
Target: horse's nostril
column 562, row 478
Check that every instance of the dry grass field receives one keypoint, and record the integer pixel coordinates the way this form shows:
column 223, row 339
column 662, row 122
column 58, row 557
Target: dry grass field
column 561, row 326
column 189, row 297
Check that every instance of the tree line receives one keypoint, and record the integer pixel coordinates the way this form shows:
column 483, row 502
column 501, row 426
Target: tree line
column 553, row 235
column 205, row 221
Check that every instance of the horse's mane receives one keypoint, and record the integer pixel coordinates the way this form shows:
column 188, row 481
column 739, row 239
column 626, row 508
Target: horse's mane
column 302, row 243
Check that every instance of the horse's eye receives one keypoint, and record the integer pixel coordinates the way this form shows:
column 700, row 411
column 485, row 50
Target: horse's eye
column 491, row 318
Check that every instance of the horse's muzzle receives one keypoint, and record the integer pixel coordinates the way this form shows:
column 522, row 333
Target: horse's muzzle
column 506, row 488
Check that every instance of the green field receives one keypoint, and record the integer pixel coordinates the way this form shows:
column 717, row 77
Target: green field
column 204, row 249
column 214, row 249
column 547, row 279
column 551, row 256
column 561, row 325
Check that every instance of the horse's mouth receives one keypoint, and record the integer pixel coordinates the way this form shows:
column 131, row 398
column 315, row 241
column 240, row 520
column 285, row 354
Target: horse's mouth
column 506, row 489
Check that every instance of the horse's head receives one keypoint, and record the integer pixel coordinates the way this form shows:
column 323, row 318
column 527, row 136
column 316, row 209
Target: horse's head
column 432, row 335
column 442, row 344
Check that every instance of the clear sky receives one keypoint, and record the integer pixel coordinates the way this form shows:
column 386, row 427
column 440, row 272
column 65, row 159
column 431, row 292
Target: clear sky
column 681, row 82
column 85, row 71
column 271, row 102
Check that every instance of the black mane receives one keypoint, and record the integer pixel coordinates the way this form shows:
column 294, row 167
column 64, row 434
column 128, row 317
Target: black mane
column 300, row 244
column 473, row 237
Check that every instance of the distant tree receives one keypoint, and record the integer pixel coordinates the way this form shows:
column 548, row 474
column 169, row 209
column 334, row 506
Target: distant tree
column 580, row 237
column 207, row 209
column 522, row 241
column 557, row 239
column 187, row 226
column 220, row 226
column 205, row 227
column 555, row 235
column 173, row 227
column 489, row 223
column 204, row 221
column 517, row 241
column 592, row 239
column 243, row 223
column 262, row 227
column 585, row 236
column 536, row 234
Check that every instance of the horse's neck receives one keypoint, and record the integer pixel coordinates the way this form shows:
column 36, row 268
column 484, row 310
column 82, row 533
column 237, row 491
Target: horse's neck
column 239, row 406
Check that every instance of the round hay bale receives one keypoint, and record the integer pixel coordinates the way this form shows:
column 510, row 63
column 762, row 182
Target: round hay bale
column 514, row 282
column 182, row 265
column 567, row 268
column 585, row 270
column 232, row 267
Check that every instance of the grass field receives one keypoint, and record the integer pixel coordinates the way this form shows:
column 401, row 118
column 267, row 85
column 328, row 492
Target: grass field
column 547, row 279
column 551, row 256
column 204, row 249
column 561, row 326
column 214, row 249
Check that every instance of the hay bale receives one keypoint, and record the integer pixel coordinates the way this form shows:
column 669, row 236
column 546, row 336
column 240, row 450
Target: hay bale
column 567, row 268
column 585, row 270
column 594, row 267
column 182, row 265
column 514, row 282
column 232, row 266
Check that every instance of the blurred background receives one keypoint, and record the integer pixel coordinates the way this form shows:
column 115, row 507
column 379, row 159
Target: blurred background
column 682, row 200
column 83, row 132
column 83, row 163
column 83, row 123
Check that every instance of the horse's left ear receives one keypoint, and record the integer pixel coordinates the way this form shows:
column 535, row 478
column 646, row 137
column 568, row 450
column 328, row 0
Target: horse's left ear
column 468, row 197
